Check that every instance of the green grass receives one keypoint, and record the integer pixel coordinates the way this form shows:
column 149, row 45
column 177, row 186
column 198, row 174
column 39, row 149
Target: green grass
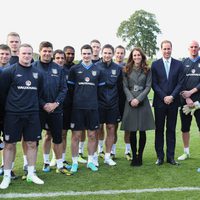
column 122, row 176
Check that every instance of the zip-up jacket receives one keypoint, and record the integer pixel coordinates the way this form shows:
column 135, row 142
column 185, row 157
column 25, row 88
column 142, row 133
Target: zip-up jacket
column 110, row 93
column 69, row 97
column 54, row 83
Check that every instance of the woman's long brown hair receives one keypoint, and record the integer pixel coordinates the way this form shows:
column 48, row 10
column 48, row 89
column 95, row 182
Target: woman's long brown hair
column 130, row 63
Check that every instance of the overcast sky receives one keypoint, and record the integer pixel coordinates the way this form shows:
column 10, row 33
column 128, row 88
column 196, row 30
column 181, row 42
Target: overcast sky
column 77, row 22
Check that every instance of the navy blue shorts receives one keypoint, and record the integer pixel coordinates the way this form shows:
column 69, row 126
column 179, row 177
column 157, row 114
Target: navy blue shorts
column 54, row 123
column 109, row 116
column 26, row 125
column 186, row 120
column 83, row 119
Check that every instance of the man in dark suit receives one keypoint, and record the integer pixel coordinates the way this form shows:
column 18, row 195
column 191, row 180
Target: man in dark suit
column 166, row 83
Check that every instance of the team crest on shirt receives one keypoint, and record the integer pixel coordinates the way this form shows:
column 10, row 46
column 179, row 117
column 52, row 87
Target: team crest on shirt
column 28, row 83
column 54, row 71
column 193, row 71
column 72, row 125
column 35, row 75
column 94, row 73
column 113, row 71
column 87, row 79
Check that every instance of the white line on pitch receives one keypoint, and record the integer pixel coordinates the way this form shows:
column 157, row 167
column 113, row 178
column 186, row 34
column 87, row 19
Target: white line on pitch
column 100, row 192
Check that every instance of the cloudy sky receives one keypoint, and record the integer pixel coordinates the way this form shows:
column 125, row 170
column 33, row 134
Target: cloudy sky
column 77, row 22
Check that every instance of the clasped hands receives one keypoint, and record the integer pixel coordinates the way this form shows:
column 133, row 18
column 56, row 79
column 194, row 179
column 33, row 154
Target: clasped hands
column 168, row 99
column 134, row 102
column 50, row 107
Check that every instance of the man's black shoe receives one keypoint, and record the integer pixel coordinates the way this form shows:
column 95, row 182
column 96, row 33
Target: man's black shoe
column 172, row 162
column 159, row 161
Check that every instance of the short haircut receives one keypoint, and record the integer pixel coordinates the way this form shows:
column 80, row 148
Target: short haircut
column 165, row 41
column 120, row 47
column 95, row 41
column 68, row 47
column 108, row 46
column 5, row 47
column 45, row 44
column 25, row 45
column 13, row 34
column 86, row 46
column 59, row 51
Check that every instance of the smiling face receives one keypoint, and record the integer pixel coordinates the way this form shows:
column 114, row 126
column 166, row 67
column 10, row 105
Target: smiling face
column 119, row 55
column 5, row 56
column 166, row 50
column 46, row 54
column 59, row 58
column 107, row 54
column 25, row 55
column 86, row 55
column 137, row 57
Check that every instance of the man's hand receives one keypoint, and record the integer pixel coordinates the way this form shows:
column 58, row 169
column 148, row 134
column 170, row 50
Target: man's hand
column 50, row 107
column 168, row 99
column 187, row 93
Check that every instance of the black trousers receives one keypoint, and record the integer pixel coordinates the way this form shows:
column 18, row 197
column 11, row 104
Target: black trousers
column 166, row 116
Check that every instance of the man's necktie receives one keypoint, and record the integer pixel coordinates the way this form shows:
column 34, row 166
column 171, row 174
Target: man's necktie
column 167, row 67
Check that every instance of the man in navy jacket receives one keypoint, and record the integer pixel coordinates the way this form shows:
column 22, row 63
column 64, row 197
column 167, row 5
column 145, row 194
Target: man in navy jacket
column 51, row 111
column 166, row 83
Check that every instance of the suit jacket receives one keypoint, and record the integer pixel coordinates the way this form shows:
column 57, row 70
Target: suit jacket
column 166, row 87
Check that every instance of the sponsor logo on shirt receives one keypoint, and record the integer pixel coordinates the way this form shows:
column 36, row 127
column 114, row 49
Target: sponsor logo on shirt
column 18, row 75
column 27, row 86
column 187, row 65
column 28, row 83
column 79, row 72
column 87, row 79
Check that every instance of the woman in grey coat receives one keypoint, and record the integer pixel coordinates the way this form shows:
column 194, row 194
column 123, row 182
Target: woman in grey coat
column 137, row 113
